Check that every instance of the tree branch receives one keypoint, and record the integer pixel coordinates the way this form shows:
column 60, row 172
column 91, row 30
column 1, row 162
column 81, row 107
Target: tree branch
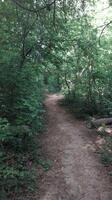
column 54, row 13
column 32, row 10
column 103, row 30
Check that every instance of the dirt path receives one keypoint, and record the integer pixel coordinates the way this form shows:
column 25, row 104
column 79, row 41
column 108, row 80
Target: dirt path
column 77, row 173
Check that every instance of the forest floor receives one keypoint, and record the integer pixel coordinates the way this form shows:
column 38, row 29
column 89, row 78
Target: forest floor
column 76, row 172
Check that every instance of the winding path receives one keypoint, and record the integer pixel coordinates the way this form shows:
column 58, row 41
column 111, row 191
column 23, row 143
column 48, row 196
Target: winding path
column 77, row 173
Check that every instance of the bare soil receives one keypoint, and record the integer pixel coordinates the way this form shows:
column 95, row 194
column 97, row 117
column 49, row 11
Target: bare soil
column 76, row 172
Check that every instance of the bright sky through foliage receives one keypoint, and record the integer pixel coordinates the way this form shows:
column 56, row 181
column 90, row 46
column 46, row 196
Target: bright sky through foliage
column 103, row 12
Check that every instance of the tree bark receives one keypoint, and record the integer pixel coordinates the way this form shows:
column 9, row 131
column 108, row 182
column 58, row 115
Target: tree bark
column 95, row 123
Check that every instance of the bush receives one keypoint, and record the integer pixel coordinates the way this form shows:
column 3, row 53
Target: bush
column 22, row 119
column 106, row 153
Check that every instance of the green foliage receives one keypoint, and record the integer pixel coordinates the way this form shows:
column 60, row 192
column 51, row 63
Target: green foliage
column 21, row 100
column 45, row 164
column 106, row 152
column 46, row 46
column 106, row 157
column 86, row 70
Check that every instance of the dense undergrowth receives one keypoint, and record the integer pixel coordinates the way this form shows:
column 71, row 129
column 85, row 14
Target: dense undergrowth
column 53, row 45
column 20, row 124
column 79, row 105
column 21, row 103
column 105, row 147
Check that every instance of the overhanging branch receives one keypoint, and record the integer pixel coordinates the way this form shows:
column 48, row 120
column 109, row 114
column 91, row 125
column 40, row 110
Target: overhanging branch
column 32, row 10
column 103, row 30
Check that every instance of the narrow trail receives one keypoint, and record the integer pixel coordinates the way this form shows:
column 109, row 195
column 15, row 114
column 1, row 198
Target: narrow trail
column 77, row 173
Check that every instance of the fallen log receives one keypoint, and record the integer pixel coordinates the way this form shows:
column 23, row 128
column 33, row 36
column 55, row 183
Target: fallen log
column 103, row 121
column 95, row 123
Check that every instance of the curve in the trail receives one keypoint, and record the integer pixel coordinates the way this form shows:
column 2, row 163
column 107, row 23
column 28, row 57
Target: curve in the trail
column 77, row 173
